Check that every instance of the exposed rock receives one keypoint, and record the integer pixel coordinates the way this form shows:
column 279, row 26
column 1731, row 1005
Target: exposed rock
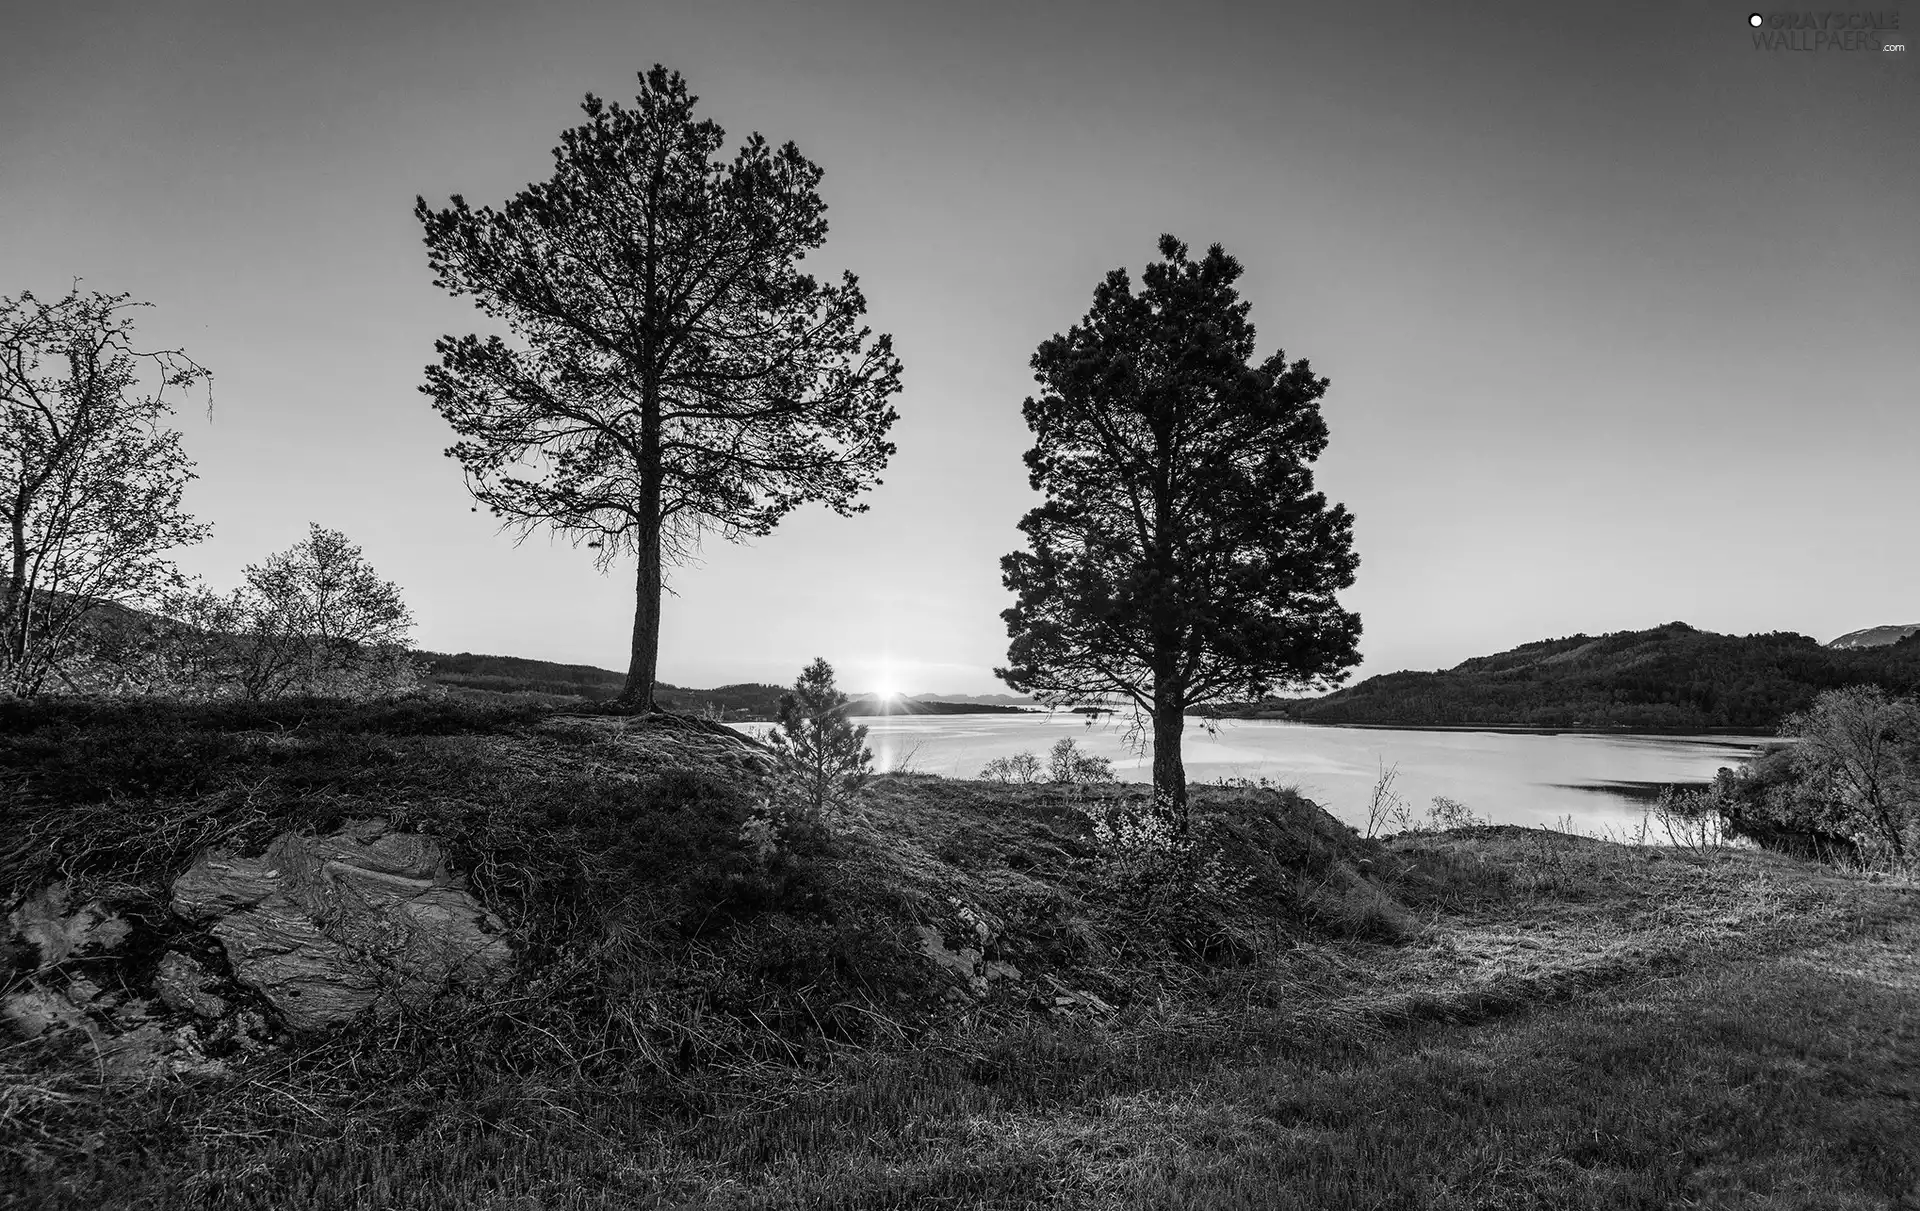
column 149, row 1050
column 120, row 1042
column 963, row 965
column 43, row 920
column 325, row 928
column 1071, row 1000
column 182, row 984
column 34, row 1011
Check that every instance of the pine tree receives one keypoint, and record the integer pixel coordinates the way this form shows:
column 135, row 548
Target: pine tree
column 1182, row 554
column 671, row 371
column 822, row 758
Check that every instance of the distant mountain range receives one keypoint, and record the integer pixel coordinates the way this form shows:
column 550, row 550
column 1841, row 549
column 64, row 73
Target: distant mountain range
column 1875, row 637
column 1671, row 676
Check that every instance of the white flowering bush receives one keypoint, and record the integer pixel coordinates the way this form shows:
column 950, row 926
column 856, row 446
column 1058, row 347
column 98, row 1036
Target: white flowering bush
column 1175, row 884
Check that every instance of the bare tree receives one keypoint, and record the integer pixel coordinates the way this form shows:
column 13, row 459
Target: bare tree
column 313, row 619
column 91, row 477
column 319, row 618
column 672, row 370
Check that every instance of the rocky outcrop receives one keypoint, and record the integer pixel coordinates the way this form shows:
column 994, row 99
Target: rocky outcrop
column 56, row 951
column 184, row 985
column 314, row 932
column 59, row 932
column 326, row 928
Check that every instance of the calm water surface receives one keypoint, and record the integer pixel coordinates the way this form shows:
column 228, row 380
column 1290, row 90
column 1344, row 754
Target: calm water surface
column 1521, row 778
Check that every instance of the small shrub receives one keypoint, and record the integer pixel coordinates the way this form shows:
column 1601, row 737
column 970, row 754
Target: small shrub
column 1067, row 762
column 1690, row 818
column 822, row 758
column 1021, row 767
column 1451, row 813
column 1177, row 888
column 1444, row 814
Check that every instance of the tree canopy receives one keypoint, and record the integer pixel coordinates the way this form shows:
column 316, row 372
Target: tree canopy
column 1182, row 552
column 671, row 369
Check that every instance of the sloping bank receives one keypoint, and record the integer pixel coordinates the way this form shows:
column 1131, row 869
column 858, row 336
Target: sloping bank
column 307, row 954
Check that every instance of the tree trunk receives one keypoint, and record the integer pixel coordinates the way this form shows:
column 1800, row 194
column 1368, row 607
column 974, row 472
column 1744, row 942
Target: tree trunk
column 13, row 611
column 1169, row 771
column 644, row 661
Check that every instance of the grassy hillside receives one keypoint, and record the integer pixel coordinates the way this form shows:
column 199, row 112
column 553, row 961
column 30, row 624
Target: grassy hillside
column 1487, row 1017
column 1669, row 677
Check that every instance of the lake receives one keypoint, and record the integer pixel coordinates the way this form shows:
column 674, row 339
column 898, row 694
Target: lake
column 1599, row 780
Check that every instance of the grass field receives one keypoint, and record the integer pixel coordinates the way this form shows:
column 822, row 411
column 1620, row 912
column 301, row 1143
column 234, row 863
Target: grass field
column 1528, row 1019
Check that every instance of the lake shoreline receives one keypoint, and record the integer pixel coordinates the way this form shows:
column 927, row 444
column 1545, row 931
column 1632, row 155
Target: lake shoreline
column 1522, row 776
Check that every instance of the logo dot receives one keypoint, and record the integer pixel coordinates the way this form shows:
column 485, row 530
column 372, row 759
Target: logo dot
column 1755, row 20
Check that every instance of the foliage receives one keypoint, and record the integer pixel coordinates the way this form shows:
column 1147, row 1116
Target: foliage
column 1175, row 887
column 1182, row 552
column 1671, row 676
column 313, row 619
column 1762, row 801
column 1067, row 762
column 673, row 370
column 91, row 479
column 822, row 761
column 1846, row 790
column 1858, row 754
column 1690, row 819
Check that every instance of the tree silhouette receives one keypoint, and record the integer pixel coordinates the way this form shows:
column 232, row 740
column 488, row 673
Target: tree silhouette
column 1182, row 552
column 91, row 476
column 673, row 370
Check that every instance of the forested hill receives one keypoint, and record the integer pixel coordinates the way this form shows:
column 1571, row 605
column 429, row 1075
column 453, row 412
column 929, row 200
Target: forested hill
column 518, row 675
column 1668, row 677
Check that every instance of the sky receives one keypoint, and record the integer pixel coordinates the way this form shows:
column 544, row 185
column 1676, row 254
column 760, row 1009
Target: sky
column 1621, row 312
